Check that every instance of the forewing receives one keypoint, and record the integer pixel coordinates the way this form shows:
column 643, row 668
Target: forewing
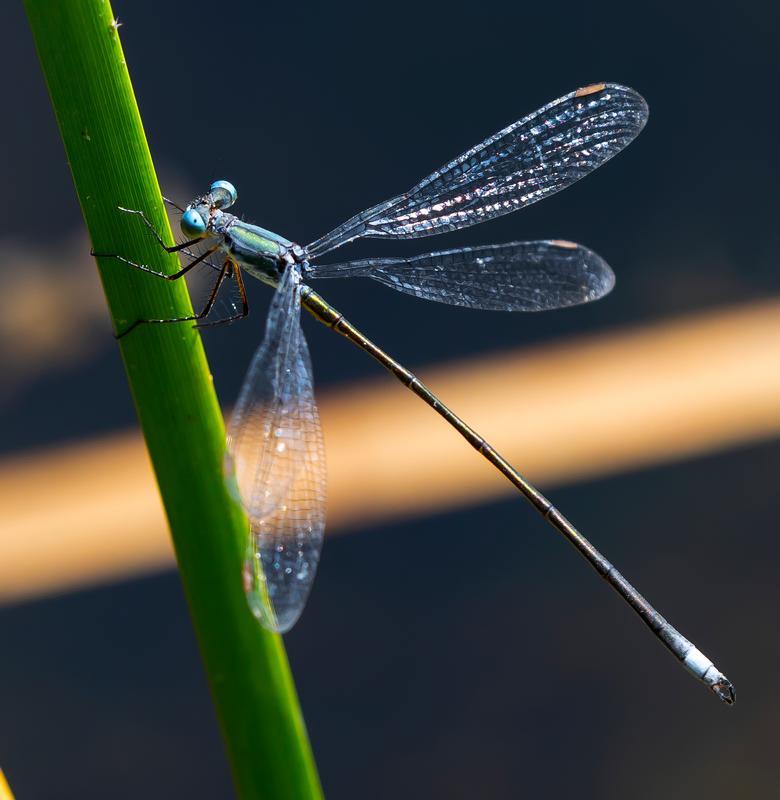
column 277, row 462
column 518, row 276
column 521, row 164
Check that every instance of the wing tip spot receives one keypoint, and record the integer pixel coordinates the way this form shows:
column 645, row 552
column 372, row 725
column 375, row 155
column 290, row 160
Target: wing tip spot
column 593, row 88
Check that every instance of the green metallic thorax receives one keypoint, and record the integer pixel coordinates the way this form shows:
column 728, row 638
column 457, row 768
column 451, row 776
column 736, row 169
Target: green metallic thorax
column 260, row 252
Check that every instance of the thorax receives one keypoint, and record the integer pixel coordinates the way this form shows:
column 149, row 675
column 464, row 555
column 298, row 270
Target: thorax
column 262, row 253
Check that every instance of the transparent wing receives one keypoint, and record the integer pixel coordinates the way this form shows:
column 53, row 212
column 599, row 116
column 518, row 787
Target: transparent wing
column 518, row 276
column 276, row 462
column 532, row 158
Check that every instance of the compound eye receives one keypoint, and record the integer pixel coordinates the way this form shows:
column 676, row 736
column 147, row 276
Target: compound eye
column 192, row 224
column 223, row 194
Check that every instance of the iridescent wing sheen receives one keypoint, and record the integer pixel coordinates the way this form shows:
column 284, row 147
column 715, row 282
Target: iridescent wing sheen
column 521, row 164
column 276, row 462
column 518, row 276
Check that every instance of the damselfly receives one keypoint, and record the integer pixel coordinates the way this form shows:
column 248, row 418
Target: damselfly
column 275, row 459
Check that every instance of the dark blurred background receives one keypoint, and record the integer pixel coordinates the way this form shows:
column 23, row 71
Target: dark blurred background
column 423, row 670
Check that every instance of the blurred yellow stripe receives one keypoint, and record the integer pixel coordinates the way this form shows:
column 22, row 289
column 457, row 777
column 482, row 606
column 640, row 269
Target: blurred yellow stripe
column 560, row 412
column 5, row 789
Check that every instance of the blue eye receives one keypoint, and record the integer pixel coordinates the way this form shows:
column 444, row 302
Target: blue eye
column 192, row 224
column 224, row 194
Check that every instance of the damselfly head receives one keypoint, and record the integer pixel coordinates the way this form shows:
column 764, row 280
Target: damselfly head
column 201, row 216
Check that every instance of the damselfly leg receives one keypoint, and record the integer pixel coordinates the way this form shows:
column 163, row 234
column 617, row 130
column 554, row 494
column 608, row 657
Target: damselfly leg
column 173, row 276
column 228, row 270
column 232, row 271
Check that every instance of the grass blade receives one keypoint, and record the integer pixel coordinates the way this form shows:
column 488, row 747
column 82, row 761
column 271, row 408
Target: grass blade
column 90, row 89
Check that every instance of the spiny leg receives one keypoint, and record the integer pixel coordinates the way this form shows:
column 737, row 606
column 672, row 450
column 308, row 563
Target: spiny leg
column 171, row 203
column 170, row 249
column 151, row 271
column 192, row 317
column 234, row 270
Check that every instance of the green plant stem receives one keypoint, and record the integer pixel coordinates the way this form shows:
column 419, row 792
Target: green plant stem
column 90, row 89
